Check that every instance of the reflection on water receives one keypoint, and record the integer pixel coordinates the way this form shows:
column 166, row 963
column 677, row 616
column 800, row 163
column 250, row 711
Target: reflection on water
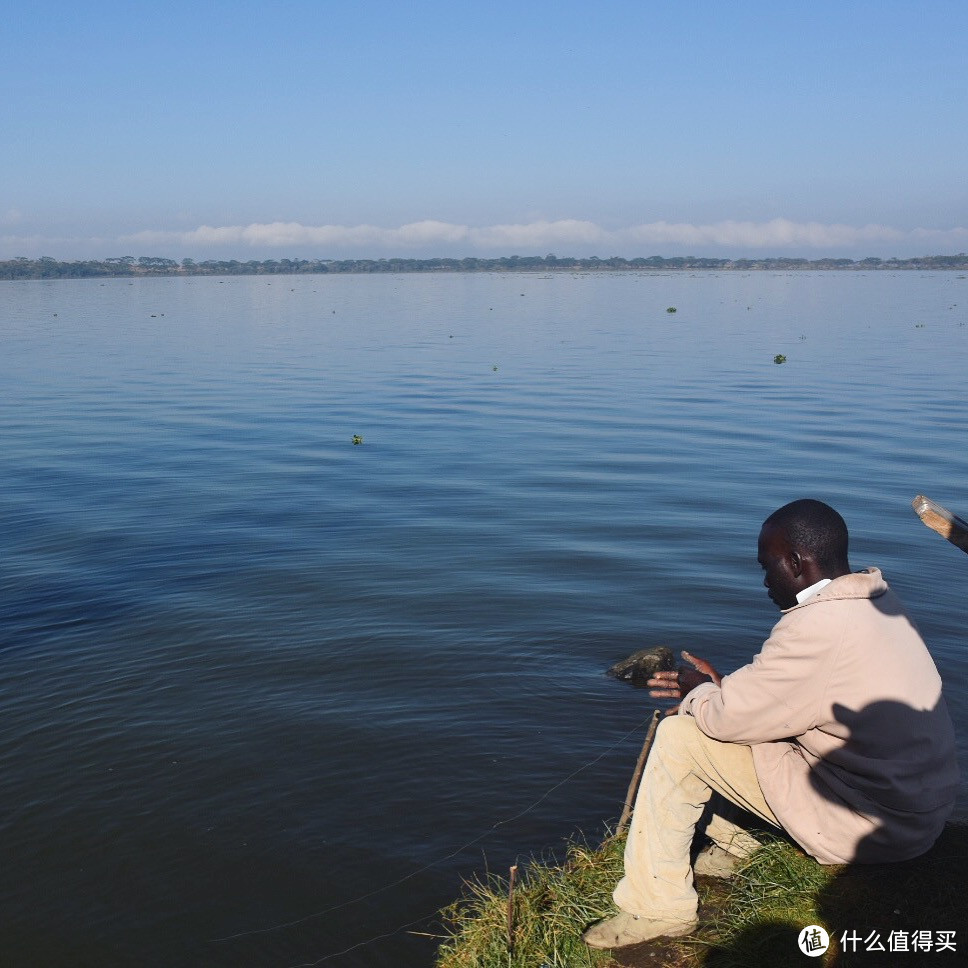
column 253, row 672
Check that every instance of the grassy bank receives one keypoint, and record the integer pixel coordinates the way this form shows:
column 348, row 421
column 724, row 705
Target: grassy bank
column 752, row 920
column 550, row 908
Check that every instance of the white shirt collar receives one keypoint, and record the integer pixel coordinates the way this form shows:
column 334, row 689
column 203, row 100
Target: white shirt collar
column 812, row 590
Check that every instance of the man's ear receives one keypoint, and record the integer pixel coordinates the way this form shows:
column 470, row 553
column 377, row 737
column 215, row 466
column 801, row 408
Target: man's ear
column 796, row 563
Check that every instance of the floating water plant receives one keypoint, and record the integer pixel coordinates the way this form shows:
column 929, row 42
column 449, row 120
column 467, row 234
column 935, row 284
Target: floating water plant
column 672, row 309
column 357, row 439
column 640, row 666
column 779, row 358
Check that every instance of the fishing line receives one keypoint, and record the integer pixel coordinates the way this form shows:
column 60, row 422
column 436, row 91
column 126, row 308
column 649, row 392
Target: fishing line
column 363, row 944
column 426, row 867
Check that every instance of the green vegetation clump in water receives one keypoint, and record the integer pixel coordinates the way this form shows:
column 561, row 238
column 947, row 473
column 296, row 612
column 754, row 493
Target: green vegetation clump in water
column 672, row 309
column 357, row 439
column 779, row 358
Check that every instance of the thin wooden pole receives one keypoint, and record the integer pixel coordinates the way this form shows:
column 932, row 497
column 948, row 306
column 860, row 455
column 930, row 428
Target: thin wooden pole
column 637, row 775
column 513, row 878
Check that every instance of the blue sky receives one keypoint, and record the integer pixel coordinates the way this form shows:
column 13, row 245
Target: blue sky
column 339, row 129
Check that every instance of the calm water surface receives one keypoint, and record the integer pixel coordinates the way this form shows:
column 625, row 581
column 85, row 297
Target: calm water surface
column 268, row 695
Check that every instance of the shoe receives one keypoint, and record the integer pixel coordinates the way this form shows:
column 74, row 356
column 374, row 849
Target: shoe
column 625, row 929
column 713, row 861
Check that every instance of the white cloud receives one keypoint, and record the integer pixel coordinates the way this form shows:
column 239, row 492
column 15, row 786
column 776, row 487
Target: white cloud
column 958, row 236
column 776, row 235
column 289, row 234
column 431, row 237
column 538, row 235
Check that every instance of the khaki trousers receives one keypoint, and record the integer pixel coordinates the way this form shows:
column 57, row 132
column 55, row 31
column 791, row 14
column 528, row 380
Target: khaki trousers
column 684, row 769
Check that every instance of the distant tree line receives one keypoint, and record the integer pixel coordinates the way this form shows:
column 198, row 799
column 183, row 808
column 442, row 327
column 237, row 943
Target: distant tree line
column 127, row 265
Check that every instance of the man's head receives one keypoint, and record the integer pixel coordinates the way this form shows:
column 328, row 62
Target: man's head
column 800, row 544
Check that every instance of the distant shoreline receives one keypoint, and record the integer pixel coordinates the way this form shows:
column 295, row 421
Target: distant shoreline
column 128, row 266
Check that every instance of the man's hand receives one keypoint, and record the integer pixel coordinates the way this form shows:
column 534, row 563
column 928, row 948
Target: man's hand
column 676, row 683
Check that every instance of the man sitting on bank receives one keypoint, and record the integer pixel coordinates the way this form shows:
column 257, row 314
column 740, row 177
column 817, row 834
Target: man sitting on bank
column 836, row 732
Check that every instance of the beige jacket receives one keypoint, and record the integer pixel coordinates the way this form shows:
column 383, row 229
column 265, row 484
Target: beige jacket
column 851, row 738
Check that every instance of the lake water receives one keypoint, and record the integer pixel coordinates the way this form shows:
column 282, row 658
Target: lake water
column 268, row 696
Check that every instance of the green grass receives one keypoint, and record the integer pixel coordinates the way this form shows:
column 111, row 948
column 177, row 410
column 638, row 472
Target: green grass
column 772, row 897
column 781, row 890
column 553, row 904
column 752, row 920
